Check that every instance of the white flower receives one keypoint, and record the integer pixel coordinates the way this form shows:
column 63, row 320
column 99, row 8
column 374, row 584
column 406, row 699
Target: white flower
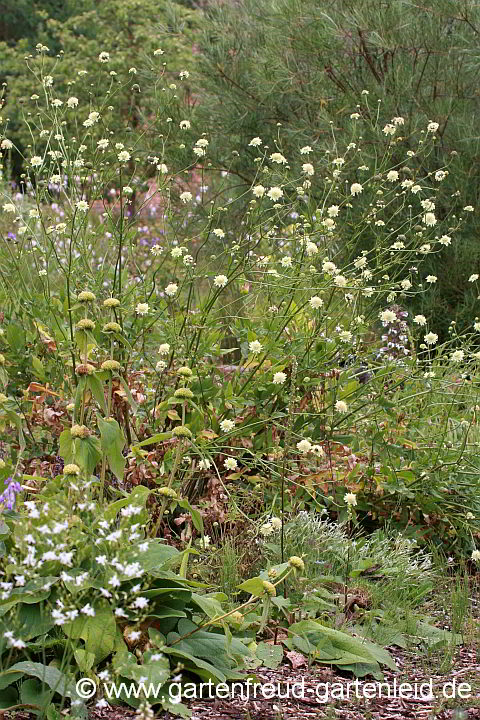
column 304, row 446
column 142, row 308
column 140, row 603
column 420, row 320
column 104, row 57
column 202, row 142
column 457, row 356
column 185, row 196
column 333, row 211
column 469, row 208
column 308, row 169
column 388, row 316
column 227, row 425
column 164, row 349
column 255, row 347
column 345, row 335
column 279, row 378
column 432, row 127
column 341, row 406
column 392, row 176
column 305, row 150
column 6, row 144
column 286, row 261
column 276, row 523
column 9, row 208
column 219, row 232
column 82, row 205
column 472, row 278
column 162, row 168
column 429, row 219
column 220, row 281
column 360, row 262
column 231, row 463
column 431, row 338
column 266, row 529
column 431, row 279
column 278, row 158
column 204, row 464
column 389, row 129
column 160, row 366
column 350, row 499
column 340, row 281
column 171, row 289
column 275, row 193
column 329, row 267
column 315, row 302
column 124, row 156
column 318, row 450
column 440, row 175
column 398, row 121
column 406, row 284
column 255, row 142
column 356, row 189
column 102, row 144
column 184, row 124
column 445, row 240
column 72, row 102
column 355, row 116
column 258, row 191
column 476, row 555
column 36, row 161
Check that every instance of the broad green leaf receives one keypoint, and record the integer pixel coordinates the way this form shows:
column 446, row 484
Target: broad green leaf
column 98, row 632
column 51, row 676
column 158, row 438
column 88, row 453
column 210, row 605
column 33, row 692
column 96, row 387
column 65, row 442
column 270, row 655
column 113, row 442
column 8, row 698
column 15, row 335
column 138, row 495
column 38, row 368
column 85, row 660
column 254, row 586
column 157, row 555
column 197, row 518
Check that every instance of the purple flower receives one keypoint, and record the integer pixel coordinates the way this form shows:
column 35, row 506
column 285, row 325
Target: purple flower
column 8, row 496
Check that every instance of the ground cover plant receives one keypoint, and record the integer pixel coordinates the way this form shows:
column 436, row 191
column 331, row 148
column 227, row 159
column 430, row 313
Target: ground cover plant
column 220, row 424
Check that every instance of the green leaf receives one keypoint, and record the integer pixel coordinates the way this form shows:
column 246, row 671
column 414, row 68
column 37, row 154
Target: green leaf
column 85, row 660
column 51, row 676
column 254, row 586
column 15, row 335
column 113, row 442
column 98, row 632
column 95, row 385
column 348, row 649
column 38, row 368
column 157, row 555
column 158, row 438
column 209, row 605
column 8, row 698
column 197, row 518
column 65, row 442
column 270, row 655
column 138, row 495
column 88, row 453
column 33, row 692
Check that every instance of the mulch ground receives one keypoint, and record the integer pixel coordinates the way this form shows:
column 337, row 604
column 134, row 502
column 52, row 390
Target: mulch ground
column 465, row 668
